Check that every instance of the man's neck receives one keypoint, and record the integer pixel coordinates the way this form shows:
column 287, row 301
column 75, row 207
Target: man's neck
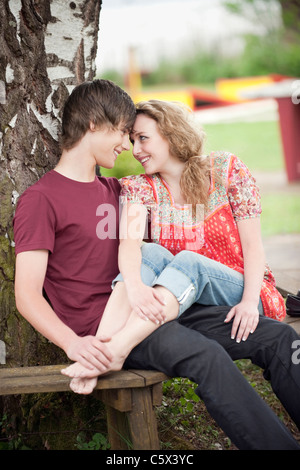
column 75, row 166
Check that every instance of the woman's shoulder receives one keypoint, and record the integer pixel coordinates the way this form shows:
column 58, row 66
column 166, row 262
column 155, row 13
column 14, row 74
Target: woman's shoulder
column 226, row 163
column 222, row 158
column 133, row 180
column 137, row 188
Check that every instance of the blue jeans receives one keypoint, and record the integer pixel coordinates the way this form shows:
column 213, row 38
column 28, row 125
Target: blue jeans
column 192, row 278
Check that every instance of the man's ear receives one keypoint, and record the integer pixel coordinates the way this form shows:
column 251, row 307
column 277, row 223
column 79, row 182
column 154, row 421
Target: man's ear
column 92, row 126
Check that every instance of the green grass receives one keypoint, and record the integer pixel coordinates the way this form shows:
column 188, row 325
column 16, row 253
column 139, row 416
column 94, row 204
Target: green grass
column 257, row 144
column 280, row 214
column 125, row 165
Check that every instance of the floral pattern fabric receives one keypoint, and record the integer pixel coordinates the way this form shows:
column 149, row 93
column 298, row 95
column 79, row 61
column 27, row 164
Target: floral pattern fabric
column 233, row 196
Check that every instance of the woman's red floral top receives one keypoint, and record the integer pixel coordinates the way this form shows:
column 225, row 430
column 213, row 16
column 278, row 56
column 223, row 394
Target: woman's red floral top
column 233, row 196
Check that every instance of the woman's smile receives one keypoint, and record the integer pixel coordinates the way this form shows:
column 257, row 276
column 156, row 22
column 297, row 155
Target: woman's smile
column 143, row 160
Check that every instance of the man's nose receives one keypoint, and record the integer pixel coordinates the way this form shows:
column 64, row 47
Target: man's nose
column 126, row 142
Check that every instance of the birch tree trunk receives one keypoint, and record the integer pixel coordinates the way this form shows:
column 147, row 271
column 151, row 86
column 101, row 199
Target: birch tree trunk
column 46, row 48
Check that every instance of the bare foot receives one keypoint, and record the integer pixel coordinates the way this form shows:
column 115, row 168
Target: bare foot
column 83, row 386
column 84, row 382
column 77, row 370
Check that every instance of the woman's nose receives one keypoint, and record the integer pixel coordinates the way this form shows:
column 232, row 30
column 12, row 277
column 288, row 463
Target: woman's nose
column 136, row 150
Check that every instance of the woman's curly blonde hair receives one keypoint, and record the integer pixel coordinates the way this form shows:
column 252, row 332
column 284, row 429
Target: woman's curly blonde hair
column 174, row 122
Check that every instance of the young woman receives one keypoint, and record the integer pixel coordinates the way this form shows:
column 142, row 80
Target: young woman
column 208, row 205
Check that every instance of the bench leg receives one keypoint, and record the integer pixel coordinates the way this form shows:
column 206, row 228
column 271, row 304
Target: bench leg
column 142, row 421
column 117, row 429
column 131, row 420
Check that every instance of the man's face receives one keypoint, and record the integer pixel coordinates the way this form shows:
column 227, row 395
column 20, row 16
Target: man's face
column 107, row 144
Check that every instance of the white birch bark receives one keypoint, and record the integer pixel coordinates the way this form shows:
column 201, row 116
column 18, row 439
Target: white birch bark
column 46, row 48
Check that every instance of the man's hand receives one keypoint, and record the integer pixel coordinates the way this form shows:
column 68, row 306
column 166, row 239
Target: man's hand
column 91, row 352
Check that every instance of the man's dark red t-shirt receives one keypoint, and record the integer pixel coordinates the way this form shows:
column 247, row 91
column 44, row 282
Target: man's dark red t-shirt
column 78, row 224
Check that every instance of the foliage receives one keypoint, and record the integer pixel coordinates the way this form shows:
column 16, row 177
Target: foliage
column 98, row 442
column 125, row 165
column 187, row 396
column 8, row 441
column 262, row 55
column 272, row 54
column 113, row 75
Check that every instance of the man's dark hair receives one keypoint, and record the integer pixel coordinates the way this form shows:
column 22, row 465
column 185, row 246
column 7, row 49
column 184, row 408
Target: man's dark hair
column 101, row 102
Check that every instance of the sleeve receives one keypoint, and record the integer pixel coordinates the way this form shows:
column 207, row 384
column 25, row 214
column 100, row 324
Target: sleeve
column 243, row 192
column 34, row 223
column 136, row 189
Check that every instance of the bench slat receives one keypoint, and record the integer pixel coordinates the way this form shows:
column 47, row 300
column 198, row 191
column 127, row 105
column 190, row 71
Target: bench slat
column 40, row 379
column 30, row 371
column 151, row 377
column 37, row 384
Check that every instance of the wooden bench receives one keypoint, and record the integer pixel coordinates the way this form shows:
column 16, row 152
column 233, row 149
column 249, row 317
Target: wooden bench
column 129, row 397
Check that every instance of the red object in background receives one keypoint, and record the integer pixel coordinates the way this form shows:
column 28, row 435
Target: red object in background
column 289, row 117
column 203, row 99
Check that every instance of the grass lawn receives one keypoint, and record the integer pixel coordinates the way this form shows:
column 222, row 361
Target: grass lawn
column 280, row 214
column 257, row 144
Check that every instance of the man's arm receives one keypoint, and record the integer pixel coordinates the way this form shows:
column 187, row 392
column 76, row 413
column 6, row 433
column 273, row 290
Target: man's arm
column 31, row 269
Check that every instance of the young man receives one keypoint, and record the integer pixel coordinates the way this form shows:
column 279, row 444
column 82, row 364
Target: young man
column 66, row 237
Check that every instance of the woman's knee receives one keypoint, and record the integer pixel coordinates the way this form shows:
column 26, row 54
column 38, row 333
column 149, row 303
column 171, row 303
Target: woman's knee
column 156, row 255
column 191, row 262
column 190, row 257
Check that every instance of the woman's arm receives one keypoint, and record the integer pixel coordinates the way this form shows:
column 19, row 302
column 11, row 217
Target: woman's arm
column 246, row 315
column 145, row 301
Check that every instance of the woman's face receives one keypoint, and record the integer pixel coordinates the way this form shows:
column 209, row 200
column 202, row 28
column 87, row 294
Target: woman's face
column 149, row 147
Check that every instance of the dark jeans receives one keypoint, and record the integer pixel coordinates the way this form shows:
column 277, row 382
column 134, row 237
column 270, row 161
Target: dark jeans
column 198, row 346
